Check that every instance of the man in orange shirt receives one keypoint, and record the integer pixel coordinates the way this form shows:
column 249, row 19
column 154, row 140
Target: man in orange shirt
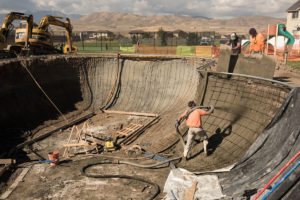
column 257, row 42
column 193, row 121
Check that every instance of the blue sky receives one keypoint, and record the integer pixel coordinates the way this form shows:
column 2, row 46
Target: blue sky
column 207, row 8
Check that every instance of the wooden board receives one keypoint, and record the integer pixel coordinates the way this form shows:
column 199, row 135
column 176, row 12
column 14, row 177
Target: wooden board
column 189, row 195
column 15, row 184
column 130, row 113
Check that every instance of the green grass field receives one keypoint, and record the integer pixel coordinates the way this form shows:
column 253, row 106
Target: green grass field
column 294, row 64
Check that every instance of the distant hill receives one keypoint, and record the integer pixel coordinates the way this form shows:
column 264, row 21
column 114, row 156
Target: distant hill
column 125, row 22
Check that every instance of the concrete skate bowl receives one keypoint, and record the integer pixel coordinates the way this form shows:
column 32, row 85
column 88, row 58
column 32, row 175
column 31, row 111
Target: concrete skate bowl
column 245, row 106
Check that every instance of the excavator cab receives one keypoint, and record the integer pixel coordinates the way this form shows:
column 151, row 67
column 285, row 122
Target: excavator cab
column 14, row 49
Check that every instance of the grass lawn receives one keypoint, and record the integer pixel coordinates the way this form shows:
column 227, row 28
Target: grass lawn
column 294, row 64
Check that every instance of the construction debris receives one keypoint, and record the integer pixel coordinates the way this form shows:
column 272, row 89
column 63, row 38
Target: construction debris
column 81, row 139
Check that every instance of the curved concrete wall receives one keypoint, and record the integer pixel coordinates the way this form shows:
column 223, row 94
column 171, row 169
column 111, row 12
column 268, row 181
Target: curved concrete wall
column 82, row 82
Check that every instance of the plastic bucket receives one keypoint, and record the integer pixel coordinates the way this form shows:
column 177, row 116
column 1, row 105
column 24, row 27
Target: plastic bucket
column 54, row 156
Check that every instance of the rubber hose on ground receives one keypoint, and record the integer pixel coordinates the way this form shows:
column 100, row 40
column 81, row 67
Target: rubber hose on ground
column 151, row 165
column 157, row 189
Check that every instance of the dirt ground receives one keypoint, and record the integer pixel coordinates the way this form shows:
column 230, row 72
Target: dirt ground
column 44, row 181
column 285, row 73
column 65, row 181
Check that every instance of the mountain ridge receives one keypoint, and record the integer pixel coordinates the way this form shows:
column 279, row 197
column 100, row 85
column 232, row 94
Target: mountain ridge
column 125, row 22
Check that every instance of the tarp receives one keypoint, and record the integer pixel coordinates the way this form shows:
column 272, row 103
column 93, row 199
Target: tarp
column 128, row 49
column 180, row 181
column 278, row 143
column 203, row 51
column 185, row 50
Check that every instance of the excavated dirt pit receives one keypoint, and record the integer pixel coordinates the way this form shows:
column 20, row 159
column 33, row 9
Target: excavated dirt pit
column 160, row 85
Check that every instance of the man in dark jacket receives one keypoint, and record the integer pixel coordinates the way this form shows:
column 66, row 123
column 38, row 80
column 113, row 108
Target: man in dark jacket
column 235, row 43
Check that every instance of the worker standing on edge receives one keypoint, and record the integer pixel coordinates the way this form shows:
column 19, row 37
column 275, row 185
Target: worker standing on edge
column 257, row 42
column 193, row 121
column 235, row 43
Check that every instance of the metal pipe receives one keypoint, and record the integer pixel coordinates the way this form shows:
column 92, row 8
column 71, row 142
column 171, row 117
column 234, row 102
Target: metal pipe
column 275, row 177
column 279, row 182
column 254, row 77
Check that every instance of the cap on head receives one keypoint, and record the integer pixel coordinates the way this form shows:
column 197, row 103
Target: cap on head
column 191, row 104
column 252, row 31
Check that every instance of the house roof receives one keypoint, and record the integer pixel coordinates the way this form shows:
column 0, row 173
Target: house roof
column 103, row 31
column 294, row 7
column 178, row 31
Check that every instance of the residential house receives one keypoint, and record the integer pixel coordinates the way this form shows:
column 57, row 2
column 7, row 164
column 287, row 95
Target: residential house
column 179, row 33
column 104, row 34
column 293, row 19
column 137, row 33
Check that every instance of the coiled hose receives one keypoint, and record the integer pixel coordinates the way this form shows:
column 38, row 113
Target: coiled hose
column 83, row 172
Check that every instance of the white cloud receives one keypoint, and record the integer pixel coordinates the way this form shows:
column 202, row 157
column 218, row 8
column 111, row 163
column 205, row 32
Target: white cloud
column 4, row 11
column 209, row 8
column 140, row 6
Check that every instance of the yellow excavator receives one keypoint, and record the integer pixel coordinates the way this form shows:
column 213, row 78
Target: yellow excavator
column 8, row 51
column 41, row 39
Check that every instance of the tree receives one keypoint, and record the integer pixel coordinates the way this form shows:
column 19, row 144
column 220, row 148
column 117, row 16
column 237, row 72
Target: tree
column 134, row 39
column 182, row 34
column 192, row 39
column 162, row 35
column 146, row 35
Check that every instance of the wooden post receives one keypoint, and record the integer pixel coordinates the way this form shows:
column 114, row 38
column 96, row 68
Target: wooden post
column 276, row 37
column 268, row 35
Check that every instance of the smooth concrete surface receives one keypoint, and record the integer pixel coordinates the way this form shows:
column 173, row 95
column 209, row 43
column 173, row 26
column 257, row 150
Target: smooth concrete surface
column 254, row 64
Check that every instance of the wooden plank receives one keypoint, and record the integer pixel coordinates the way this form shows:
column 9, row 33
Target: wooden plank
column 7, row 161
column 15, row 184
column 127, row 131
column 130, row 113
column 189, row 195
column 130, row 138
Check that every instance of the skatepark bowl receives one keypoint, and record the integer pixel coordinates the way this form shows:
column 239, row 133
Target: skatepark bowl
column 245, row 106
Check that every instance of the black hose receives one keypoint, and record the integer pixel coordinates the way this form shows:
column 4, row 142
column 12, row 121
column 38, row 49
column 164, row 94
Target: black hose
column 148, row 166
column 157, row 189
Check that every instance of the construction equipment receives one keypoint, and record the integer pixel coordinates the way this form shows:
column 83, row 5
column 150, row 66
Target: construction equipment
column 41, row 40
column 109, row 144
column 13, row 50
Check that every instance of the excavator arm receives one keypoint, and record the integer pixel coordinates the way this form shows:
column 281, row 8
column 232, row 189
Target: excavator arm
column 8, row 21
column 53, row 20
